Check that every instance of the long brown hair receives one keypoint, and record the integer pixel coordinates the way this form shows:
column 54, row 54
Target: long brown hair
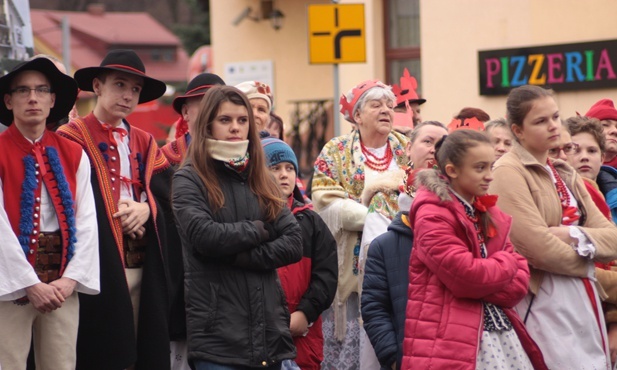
column 260, row 180
column 452, row 149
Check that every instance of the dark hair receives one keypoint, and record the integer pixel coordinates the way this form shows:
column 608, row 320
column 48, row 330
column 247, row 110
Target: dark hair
column 260, row 180
column 413, row 134
column 452, row 149
column 520, row 101
column 581, row 124
column 469, row 112
column 276, row 120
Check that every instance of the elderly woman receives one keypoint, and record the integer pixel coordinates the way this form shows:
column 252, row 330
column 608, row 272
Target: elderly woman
column 260, row 97
column 344, row 166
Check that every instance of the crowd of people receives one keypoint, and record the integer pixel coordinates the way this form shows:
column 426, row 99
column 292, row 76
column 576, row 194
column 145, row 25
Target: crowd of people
column 480, row 244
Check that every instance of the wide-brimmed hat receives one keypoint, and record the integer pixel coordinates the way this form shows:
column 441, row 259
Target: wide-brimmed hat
column 62, row 85
column 122, row 60
column 197, row 87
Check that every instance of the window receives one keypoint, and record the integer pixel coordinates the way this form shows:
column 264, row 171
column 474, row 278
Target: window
column 402, row 23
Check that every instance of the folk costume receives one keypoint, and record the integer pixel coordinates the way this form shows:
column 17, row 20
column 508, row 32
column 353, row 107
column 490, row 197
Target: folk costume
column 175, row 151
column 48, row 231
column 128, row 164
column 341, row 170
column 539, row 196
column 383, row 198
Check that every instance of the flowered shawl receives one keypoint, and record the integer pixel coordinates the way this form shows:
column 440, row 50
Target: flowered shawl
column 338, row 178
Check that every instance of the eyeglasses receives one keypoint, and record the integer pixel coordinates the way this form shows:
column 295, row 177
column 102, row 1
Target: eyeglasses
column 24, row 92
column 567, row 149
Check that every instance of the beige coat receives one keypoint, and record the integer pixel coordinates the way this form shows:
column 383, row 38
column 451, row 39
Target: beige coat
column 527, row 192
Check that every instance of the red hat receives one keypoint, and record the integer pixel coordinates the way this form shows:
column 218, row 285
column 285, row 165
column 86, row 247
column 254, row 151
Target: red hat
column 604, row 109
column 467, row 123
column 347, row 107
column 406, row 91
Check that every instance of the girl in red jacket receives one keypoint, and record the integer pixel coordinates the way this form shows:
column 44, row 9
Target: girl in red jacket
column 464, row 275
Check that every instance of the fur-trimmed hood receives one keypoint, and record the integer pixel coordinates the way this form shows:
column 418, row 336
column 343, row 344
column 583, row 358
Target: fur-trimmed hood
column 384, row 184
column 434, row 182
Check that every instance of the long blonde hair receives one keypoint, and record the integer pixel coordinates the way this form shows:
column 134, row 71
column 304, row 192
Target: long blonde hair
column 260, row 180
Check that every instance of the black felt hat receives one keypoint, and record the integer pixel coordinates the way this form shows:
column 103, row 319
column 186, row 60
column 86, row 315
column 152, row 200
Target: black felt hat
column 197, row 87
column 123, row 60
column 62, row 85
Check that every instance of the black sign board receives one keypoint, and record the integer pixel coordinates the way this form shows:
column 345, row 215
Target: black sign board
column 581, row 66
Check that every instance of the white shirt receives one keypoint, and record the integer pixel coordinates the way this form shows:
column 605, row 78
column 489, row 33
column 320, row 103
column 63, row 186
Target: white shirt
column 126, row 192
column 16, row 273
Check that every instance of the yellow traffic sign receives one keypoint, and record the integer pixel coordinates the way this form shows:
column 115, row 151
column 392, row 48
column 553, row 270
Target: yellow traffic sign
column 336, row 33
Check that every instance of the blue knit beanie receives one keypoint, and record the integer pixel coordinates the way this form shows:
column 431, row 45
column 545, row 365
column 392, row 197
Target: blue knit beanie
column 278, row 151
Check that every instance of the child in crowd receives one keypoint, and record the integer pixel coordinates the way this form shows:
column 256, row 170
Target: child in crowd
column 310, row 284
column 586, row 158
column 560, row 231
column 464, row 276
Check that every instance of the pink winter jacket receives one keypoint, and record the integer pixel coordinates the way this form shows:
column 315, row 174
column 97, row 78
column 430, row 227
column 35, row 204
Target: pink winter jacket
column 448, row 280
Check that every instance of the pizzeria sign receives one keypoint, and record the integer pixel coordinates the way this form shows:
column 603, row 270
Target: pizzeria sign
column 580, row 66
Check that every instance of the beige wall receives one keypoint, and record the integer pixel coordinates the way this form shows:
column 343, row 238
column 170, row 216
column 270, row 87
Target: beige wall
column 451, row 40
column 294, row 77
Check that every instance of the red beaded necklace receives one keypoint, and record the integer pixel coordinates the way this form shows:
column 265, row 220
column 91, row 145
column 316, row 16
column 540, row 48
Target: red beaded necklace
column 569, row 215
column 374, row 162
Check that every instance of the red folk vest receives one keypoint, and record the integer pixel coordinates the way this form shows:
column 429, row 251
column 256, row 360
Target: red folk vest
column 145, row 159
column 24, row 167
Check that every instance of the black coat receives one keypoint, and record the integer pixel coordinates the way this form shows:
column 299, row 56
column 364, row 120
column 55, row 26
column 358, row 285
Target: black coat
column 106, row 338
column 235, row 306
column 384, row 291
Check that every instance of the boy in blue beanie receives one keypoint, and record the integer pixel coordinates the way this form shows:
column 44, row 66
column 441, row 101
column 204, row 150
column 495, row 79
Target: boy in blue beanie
column 310, row 284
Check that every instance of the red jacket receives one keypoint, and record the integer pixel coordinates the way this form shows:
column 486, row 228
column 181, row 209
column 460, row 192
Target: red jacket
column 310, row 284
column 449, row 280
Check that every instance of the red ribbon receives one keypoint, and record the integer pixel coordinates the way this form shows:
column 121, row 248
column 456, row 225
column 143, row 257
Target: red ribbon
column 38, row 154
column 111, row 129
column 484, row 202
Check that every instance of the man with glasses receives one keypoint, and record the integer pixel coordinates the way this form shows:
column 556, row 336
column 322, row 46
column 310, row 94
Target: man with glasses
column 49, row 231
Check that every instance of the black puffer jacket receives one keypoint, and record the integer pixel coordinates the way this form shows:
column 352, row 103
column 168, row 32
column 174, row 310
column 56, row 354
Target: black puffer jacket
column 235, row 307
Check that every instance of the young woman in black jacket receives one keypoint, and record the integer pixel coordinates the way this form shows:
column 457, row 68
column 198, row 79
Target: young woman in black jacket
column 235, row 233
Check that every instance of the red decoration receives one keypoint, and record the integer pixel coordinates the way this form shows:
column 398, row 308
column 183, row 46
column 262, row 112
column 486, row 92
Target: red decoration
column 374, row 162
column 569, row 213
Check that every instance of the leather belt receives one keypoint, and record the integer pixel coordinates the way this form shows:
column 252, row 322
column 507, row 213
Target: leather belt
column 48, row 257
column 135, row 252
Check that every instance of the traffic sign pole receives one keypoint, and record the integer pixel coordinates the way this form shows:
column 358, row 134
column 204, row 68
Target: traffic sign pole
column 336, row 35
column 337, row 114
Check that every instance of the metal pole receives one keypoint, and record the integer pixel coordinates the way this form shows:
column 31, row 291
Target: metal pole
column 66, row 44
column 337, row 115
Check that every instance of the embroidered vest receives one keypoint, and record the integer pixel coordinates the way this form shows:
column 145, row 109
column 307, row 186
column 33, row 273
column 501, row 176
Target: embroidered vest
column 24, row 167
column 145, row 159
column 175, row 151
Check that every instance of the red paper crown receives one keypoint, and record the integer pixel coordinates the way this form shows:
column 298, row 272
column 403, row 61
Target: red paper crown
column 468, row 123
column 406, row 91
column 357, row 92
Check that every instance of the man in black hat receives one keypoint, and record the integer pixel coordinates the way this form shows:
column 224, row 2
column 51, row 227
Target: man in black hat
column 128, row 323
column 187, row 106
column 49, row 252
